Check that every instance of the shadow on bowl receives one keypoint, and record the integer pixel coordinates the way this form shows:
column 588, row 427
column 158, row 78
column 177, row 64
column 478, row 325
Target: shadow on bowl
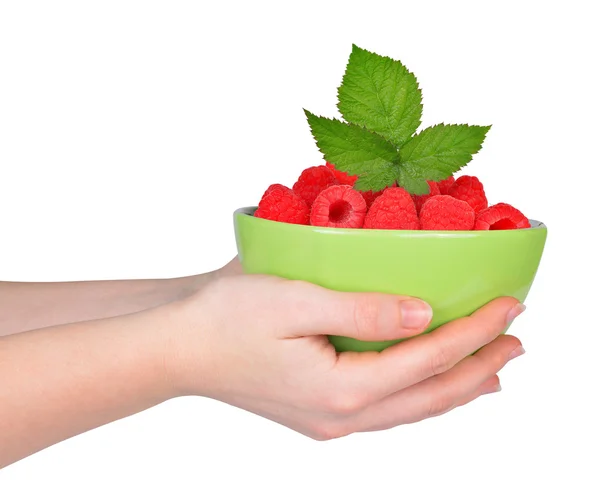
column 456, row 272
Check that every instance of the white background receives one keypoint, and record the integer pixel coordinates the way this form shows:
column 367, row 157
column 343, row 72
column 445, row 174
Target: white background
column 130, row 131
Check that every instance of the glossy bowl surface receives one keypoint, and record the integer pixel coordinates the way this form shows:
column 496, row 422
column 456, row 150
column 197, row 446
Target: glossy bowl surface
column 456, row 272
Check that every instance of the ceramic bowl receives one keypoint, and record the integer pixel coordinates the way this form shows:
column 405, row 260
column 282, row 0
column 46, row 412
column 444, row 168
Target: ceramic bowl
column 456, row 272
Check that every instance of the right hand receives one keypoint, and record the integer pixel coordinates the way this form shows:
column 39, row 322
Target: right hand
column 259, row 343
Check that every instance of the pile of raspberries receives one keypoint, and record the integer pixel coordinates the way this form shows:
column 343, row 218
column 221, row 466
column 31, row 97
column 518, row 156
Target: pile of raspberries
column 324, row 196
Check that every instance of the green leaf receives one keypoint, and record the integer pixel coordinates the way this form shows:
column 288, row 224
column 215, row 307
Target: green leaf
column 357, row 151
column 439, row 151
column 380, row 94
column 414, row 185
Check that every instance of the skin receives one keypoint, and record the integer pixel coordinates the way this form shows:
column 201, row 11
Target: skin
column 268, row 354
column 29, row 306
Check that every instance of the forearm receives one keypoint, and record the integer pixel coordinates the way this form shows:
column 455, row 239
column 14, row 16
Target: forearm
column 60, row 381
column 29, row 306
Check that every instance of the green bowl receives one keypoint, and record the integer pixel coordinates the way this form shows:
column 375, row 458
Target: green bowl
column 456, row 272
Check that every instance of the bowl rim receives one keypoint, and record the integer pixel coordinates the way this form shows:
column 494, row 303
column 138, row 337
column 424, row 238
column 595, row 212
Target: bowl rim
column 249, row 212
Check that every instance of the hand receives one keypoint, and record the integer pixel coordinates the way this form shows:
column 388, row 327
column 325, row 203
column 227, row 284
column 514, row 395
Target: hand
column 258, row 342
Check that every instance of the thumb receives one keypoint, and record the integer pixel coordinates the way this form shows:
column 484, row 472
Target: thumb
column 363, row 316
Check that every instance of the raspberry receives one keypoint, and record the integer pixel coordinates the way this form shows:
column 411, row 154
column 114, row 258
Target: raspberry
column 338, row 206
column 370, row 196
column 273, row 187
column 422, row 198
column 312, row 181
column 501, row 216
column 445, row 213
column 280, row 203
column 445, row 185
column 394, row 209
column 342, row 177
column 468, row 188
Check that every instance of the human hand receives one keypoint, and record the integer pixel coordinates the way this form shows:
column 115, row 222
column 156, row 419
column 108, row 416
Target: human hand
column 259, row 343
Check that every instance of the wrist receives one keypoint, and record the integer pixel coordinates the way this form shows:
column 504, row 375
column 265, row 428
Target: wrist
column 183, row 288
column 153, row 335
column 177, row 289
column 188, row 355
column 190, row 317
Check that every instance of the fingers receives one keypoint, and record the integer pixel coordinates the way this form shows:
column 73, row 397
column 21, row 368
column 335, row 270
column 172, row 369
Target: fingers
column 490, row 386
column 376, row 375
column 363, row 316
column 469, row 379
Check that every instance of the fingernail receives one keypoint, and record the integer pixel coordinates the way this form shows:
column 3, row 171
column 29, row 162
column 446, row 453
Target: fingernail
column 491, row 390
column 415, row 313
column 516, row 353
column 514, row 312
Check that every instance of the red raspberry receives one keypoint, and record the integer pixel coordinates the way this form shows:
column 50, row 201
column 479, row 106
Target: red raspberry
column 312, row 181
column 280, row 203
column 338, row 206
column 468, row 188
column 342, row 177
column 273, row 187
column 445, row 213
column 445, row 185
column 422, row 198
column 394, row 209
column 371, row 196
column 501, row 216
